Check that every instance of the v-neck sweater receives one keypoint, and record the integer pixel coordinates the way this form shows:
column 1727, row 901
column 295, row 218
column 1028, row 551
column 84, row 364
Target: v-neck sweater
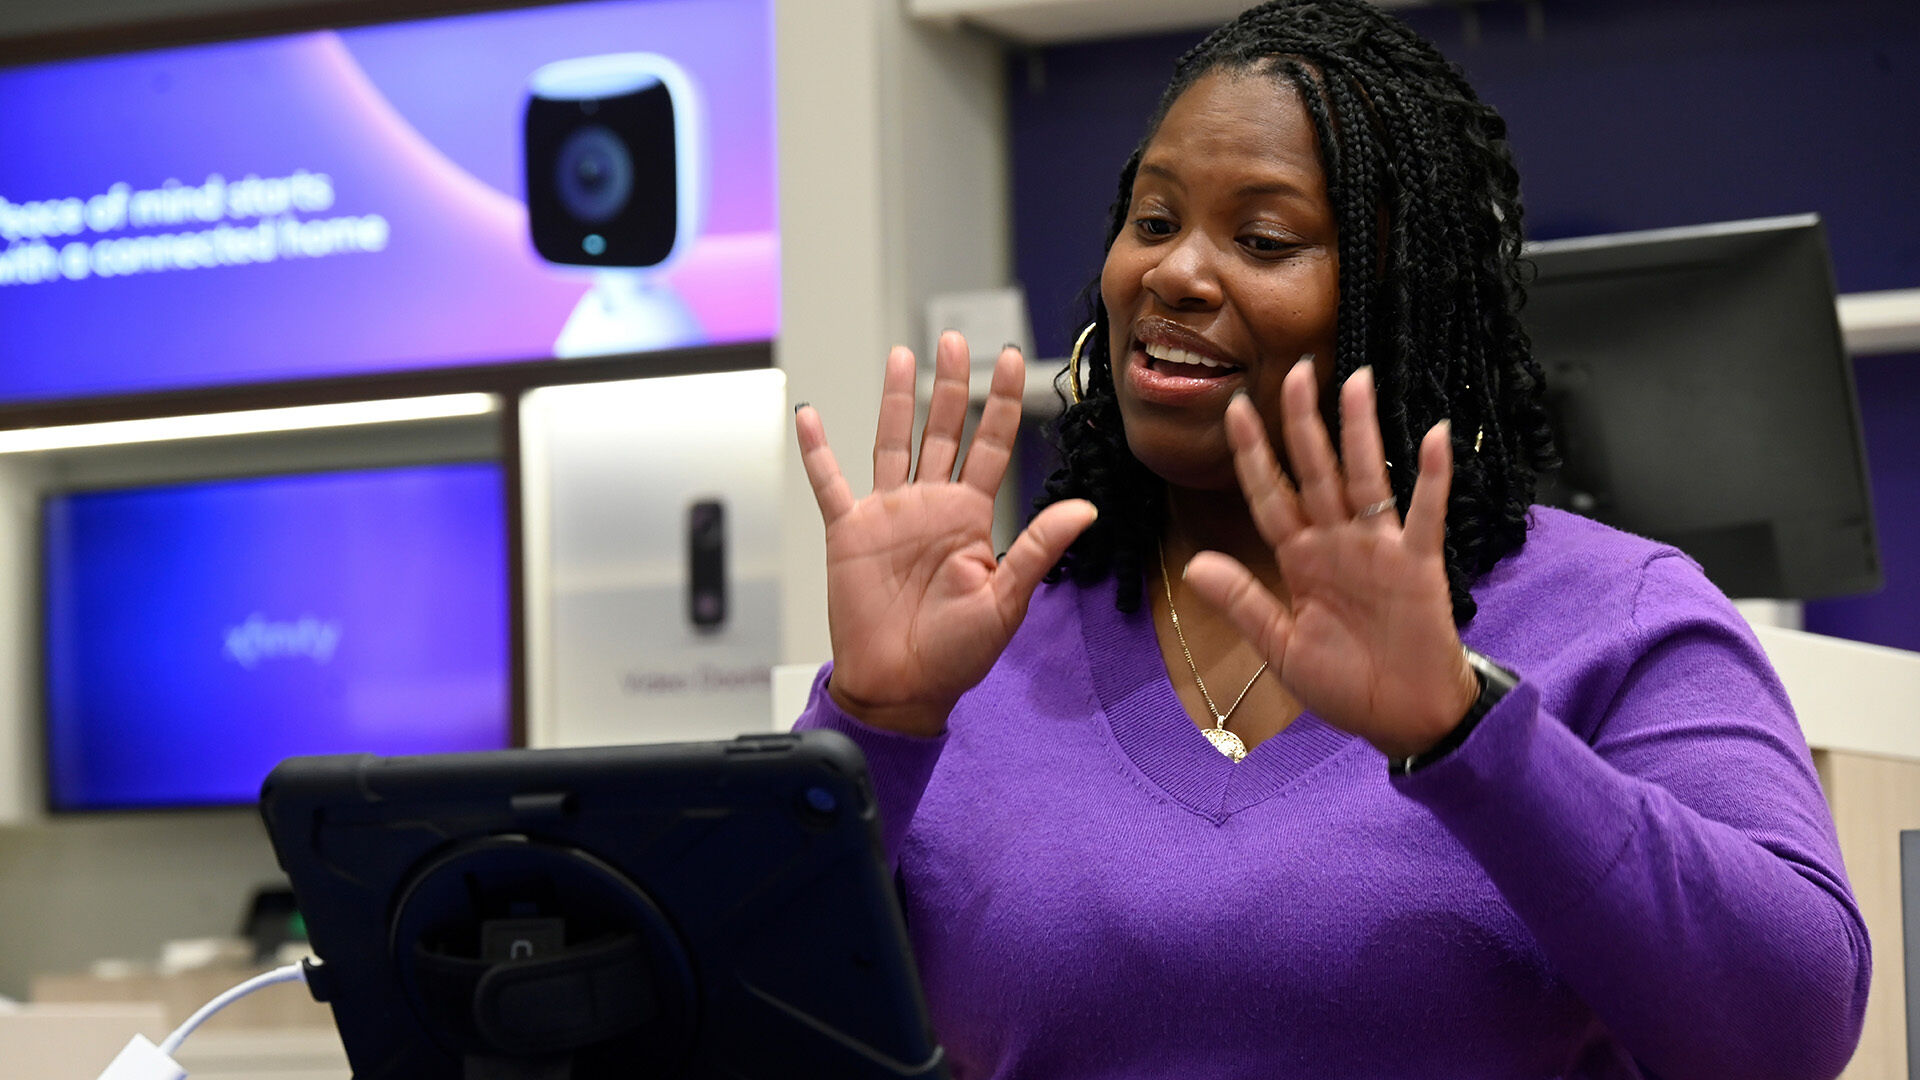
column 1627, row 869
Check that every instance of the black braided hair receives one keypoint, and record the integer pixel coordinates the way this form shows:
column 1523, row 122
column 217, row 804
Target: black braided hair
column 1433, row 304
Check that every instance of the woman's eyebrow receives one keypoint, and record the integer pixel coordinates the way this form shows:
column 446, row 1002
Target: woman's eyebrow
column 1250, row 190
column 1161, row 172
column 1270, row 187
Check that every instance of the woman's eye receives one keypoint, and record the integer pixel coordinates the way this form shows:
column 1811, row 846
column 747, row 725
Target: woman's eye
column 1154, row 226
column 1261, row 244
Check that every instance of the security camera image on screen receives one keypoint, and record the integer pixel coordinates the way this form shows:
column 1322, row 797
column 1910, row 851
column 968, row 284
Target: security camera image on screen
column 603, row 162
column 196, row 634
column 344, row 203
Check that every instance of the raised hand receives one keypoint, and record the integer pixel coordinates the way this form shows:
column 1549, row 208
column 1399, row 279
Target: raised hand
column 1369, row 643
column 917, row 607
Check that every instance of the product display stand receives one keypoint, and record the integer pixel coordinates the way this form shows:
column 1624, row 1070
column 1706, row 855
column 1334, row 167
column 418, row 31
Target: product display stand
column 627, row 311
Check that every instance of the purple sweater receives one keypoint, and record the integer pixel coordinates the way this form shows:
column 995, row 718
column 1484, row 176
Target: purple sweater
column 1626, row 870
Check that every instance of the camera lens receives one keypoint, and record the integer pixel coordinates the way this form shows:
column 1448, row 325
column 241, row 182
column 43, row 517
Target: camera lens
column 594, row 174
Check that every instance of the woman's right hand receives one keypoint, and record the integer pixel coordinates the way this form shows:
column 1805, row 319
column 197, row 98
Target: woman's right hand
column 918, row 609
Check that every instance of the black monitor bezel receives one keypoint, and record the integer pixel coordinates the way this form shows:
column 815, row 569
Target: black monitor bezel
column 1799, row 238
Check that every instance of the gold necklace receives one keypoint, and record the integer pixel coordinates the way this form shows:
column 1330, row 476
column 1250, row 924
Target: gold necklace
column 1223, row 740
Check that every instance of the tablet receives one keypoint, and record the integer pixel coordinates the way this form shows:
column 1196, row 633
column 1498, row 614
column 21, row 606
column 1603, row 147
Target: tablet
column 691, row 910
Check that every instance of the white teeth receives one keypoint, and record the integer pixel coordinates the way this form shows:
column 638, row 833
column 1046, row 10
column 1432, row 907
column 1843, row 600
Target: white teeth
column 1181, row 356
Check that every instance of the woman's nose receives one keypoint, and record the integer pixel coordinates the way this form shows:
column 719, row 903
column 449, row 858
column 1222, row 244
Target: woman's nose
column 1185, row 276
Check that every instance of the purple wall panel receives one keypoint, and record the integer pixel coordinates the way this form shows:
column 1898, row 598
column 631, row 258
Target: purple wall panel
column 1890, row 413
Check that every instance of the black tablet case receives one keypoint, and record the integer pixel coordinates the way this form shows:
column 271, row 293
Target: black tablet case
column 740, row 885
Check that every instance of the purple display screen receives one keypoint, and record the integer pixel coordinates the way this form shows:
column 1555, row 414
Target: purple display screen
column 345, row 203
column 197, row 634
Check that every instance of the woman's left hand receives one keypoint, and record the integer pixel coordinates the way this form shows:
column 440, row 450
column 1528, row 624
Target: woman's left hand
column 1367, row 642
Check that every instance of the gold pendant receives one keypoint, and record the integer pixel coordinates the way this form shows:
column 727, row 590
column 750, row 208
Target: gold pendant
column 1226, row 742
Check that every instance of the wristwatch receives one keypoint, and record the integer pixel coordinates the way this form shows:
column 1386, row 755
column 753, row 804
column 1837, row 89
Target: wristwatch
column 1494, row 681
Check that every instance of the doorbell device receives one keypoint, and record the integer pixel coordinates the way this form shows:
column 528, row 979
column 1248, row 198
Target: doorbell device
column 616, row 182
column 707, row 564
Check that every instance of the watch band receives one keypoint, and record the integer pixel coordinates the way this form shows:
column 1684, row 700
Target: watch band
column 1494, row 681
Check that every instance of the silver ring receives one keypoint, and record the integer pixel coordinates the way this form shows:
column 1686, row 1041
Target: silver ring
column 1371, row 509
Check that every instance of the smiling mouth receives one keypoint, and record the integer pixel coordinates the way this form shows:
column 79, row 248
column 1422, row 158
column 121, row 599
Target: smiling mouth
column 1171, row 360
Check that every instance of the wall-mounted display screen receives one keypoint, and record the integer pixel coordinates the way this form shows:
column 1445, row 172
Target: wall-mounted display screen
column 196, row 634
column 573, row 180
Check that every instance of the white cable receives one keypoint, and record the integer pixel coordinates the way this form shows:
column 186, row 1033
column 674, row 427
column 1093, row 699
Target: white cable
column 290, row 973
column 141, row 1060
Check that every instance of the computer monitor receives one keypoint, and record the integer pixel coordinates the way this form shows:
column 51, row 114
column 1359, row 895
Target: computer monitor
column 1702, row 396
column 198, row 633
column 690, row 910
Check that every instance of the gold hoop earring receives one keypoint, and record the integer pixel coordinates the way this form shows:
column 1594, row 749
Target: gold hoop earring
column 1073, row 361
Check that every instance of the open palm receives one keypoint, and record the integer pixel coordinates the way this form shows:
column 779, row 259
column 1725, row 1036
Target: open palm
column 918, row 609
column 1368, row 643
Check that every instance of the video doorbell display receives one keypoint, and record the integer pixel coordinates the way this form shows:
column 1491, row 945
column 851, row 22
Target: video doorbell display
column 653, row 518
column 196, row 634
column 577, row 179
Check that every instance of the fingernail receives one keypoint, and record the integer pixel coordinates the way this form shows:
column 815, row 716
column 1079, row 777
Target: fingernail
column 797, row 408
column 1367, row 368
column 1306, row 358
column 1014, row 346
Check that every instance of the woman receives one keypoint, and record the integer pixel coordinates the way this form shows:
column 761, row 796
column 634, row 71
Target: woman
column 1484, row 791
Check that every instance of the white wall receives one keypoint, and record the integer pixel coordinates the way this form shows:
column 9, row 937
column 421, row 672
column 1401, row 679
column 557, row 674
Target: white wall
column 20, row 792
column 76, row 890
column 893, row 188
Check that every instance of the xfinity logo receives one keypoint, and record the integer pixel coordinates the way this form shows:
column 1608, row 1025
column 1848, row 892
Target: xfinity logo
column 261, row 638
